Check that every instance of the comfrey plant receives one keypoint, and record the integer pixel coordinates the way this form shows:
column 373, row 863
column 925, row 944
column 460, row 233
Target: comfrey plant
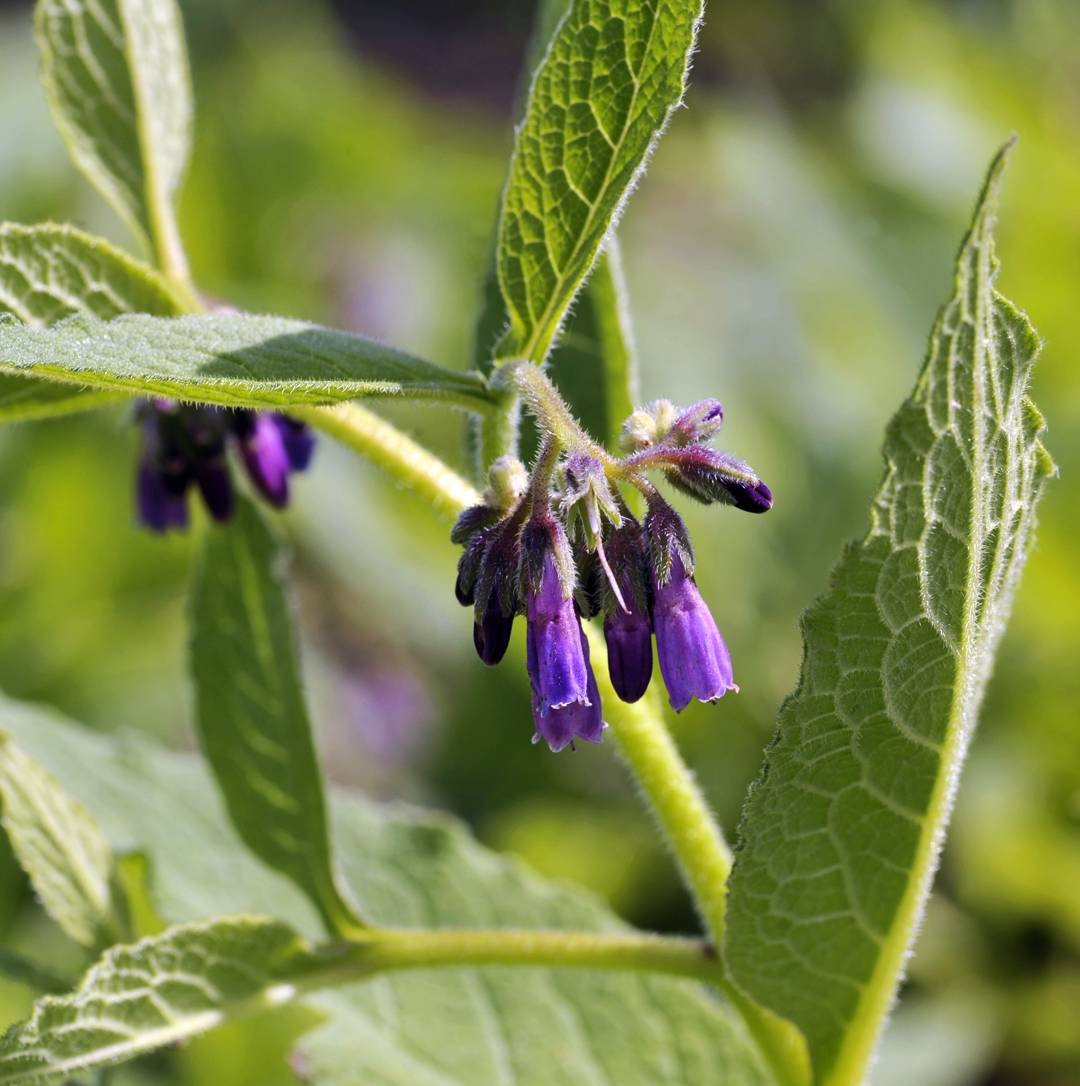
column 210, row 893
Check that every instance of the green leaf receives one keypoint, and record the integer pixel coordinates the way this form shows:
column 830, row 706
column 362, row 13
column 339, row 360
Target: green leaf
column 163, row 989
column 50, row 272
column 614, row 72
column 841, row 834
column 450, row 1027
column 252, row 721
column 117, row 79
column 59, row 846
column 238, row 360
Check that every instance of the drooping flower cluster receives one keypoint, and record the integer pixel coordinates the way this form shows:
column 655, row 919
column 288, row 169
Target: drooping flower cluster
column 562, row 545
column 185, row 446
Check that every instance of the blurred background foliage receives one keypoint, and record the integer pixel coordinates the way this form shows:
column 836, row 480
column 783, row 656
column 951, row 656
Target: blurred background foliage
column 786, row 252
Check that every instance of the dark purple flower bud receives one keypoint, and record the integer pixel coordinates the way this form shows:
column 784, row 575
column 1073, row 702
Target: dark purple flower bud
column 299, row 441
column 629, row 645
column 266, row 458
column 215, row 485
column 558, row 727
column 469, row 569
column 491, row 633
column 694, row 660
column 698, row 423
column 557, row 668
column 164, row 473
column 159, row 506
column 493, row 586
column 712, row 476
column 473, row 520
column 628, row 629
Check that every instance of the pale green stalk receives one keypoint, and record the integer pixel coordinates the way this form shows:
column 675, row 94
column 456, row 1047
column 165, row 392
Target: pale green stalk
column 395, row 452
column 386, row 950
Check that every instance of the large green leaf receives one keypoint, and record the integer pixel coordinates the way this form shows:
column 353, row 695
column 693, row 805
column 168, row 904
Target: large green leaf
column 238, row 360
column 117, row 78
column 49, row 272
column 453, row 1027
column 841, row 834
column 253, row 724
column 59, row 846
column 611, row 77
column 161, row 990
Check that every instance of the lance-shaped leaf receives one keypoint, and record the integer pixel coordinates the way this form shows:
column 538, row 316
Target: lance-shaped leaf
column 447, row 1027
column 49, row 272
column 252, row 720
column 841, row 834
column 117, row 79
column 611, row 77
column 59, row 846
column 238, row 360
column 161, row 990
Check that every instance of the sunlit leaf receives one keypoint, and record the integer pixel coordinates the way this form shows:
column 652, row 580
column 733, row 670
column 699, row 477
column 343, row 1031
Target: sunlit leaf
column 163, row 989
column 610, row 79
column 59, row 846
column 253, row 723
column 117, row 78
column 49, row 272
column 451, row 1027
column 841, row 834
column 238, row 360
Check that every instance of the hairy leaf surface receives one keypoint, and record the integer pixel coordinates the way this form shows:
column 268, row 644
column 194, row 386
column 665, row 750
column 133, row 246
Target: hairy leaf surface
column 59, row 846
column 238, row 360
column 163, row 989
column 49, row 272
column 252, row 721
column 613, row 73
column 117, row 78
column 447, row 1027
column 841, row 834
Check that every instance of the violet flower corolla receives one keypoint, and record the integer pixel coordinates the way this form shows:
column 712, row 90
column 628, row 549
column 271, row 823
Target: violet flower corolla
column 185, row 446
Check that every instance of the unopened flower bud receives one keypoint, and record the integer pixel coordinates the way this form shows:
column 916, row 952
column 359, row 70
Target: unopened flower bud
column 507, row 482
column 648, row 426
column 495, row 592
column 711, row 476
column 627, row 624
column 698, row 423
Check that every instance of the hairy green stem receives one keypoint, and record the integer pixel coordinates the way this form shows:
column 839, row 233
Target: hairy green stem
column 395, row 452
column 701, row 852
column 496, row 433
column 392, row 949
column 547, row 405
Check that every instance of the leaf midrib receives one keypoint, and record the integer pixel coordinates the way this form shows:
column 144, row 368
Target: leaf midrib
column 878, row 992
